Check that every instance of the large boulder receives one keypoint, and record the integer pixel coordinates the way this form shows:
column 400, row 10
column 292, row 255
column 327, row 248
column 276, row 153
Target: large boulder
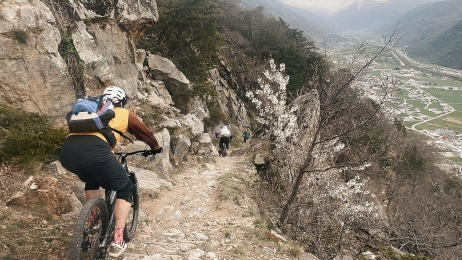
column 105, row 38
column 203, row 146
column 161, row 68
column 155, row 93
column 160, row 163
column 150, row 180
column 108, row 55
column 128, row 13
column 194, row 125
column 180, row 147
column 199, row 109
column 163, row 160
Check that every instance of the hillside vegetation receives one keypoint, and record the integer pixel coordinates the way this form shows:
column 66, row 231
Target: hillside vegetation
column 196, row 34
column 397, row 195
column 334, row 175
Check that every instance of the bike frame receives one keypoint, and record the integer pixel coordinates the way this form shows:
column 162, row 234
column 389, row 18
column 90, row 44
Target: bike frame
column 92, row 239
column 110, row 197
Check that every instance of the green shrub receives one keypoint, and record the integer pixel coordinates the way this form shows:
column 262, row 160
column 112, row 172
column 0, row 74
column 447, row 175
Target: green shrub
column 75, row 65
column 27, row 137
column 20, row 35
column 216, row 117
column 201, row 89
column 66, row 46
column 453, row 186
column 182, row 101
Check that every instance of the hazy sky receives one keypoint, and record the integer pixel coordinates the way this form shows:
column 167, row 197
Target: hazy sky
column 331, row 5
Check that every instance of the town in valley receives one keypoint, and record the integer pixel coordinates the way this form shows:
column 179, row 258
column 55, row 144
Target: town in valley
column 427, row 98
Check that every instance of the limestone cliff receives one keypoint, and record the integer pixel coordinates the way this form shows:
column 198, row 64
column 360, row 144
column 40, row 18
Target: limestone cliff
column 37, row 75
column 32, row 73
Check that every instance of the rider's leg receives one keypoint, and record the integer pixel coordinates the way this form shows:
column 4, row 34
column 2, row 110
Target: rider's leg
column 121, row 210
column 226, row 145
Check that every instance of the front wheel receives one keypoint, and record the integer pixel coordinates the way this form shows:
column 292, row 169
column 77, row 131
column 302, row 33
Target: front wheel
column 132, row 221
column 223, row 150
column 89, row 230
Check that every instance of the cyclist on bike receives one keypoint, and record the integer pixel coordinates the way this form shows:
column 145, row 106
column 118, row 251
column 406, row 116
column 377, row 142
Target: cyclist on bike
column 246, row 135
column 90, row 157
column 225, row 136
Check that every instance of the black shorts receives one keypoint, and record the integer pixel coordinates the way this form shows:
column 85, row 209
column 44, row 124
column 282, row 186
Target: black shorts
column 92, row 160
column 224, row 140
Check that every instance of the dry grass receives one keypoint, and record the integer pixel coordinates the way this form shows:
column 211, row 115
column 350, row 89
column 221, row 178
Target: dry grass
column 28, row 232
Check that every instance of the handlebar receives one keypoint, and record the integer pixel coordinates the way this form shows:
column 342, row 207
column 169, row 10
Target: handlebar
column 144, row 153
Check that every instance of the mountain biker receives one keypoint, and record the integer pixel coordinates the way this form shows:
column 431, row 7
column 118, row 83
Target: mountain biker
column 246, row 135
column 225, row 136
column 90, row 157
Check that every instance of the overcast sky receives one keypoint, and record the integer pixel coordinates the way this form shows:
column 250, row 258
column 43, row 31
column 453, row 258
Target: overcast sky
column 331, row 5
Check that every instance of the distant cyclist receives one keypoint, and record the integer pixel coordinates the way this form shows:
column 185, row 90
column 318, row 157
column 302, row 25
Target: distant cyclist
column 225, row 136
column 246, row 135
column 90, row 157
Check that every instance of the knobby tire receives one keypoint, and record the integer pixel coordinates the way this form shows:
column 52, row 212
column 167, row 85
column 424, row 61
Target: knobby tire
column 132, row 221
column 223, row 152
column 87, row 236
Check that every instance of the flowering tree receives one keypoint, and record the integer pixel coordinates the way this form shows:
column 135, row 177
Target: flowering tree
column 323, row 142
column 271, row 102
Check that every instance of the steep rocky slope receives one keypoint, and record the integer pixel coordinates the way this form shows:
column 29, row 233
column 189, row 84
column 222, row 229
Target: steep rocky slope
column 205, row 209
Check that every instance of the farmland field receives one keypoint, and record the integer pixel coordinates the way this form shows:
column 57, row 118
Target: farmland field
column 412, row 80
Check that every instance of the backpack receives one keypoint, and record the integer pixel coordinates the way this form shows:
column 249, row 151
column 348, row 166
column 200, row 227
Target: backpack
column 92, row 114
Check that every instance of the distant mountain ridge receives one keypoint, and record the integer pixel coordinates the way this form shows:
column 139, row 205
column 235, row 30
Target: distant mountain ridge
column 431, row 28
column 368, row 15
column 432, row 31
column 315, row 27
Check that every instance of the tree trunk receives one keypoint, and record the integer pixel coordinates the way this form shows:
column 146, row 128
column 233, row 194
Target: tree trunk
column 293, row 196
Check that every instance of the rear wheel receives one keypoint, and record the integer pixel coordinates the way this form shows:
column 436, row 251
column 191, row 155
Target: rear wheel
column 89, row 231
column 132, row 221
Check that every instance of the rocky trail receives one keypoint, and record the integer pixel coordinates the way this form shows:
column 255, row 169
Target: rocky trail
column 205, row 214
column 203, row 209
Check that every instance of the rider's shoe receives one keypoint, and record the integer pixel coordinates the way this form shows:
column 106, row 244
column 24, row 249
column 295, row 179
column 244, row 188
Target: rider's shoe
column 116, row 250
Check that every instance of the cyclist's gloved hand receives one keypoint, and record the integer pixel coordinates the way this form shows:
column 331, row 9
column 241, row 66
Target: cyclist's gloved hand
column 158, row 149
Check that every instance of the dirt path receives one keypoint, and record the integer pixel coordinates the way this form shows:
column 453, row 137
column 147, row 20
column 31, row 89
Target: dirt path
column 206, row 215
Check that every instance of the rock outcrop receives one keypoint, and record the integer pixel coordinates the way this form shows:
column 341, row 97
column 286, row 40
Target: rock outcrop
column 163, row 69
column 32, row 73
column 230, row 103
column 44, row 194
column 36, row 74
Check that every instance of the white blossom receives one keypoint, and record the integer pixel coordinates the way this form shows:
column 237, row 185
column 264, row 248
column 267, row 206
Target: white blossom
column 280, row 120
column 271, row 102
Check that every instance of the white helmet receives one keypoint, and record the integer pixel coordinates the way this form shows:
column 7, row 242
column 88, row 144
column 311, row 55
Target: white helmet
column 116, row 95
column 225, row 127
